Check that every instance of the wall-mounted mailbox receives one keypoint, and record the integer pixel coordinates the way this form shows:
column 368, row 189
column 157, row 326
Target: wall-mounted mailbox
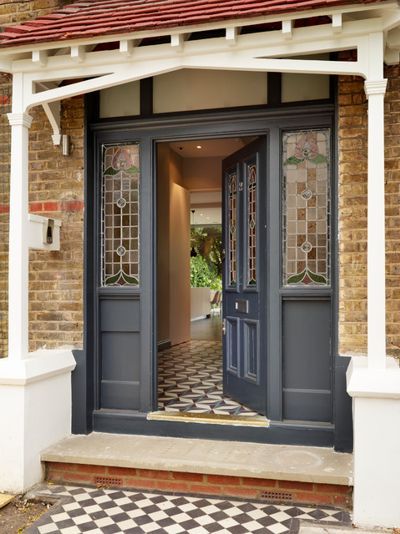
column 44, row 232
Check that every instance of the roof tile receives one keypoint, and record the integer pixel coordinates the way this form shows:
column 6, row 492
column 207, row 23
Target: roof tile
column 85, row 19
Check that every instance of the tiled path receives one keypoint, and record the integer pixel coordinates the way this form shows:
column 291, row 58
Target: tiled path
column 190, row 380
column 107, row 511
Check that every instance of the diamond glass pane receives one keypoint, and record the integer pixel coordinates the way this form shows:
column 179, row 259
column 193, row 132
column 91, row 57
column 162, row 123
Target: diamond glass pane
column 120, row 215
column 252, row 224
column 232, row 215
column 306, row 208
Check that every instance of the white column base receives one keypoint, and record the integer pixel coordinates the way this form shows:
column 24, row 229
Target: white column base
column 376, row 417
column 35, row 401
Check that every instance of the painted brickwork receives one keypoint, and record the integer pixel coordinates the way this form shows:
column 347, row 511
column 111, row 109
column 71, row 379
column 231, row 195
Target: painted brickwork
column 199, row 483
column 353, row 214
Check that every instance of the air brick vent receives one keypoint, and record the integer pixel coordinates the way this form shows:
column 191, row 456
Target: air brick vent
column 107, row 482
column 271, row 495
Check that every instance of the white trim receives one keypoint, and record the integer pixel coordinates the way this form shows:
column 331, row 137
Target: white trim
column 356, row 8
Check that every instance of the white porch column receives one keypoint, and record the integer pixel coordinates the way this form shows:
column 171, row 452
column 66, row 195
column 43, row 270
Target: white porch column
column 374, row 382
column 18, row 262
column 375, row 91
column 35, row 387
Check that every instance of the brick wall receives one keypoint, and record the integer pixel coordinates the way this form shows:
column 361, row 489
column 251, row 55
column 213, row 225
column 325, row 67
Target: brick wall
column 13, row 11
column 353, row 214
column 56, row 190
column 285, row 491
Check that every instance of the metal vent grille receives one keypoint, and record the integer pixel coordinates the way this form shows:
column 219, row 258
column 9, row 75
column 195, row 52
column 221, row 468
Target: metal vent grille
column 108, row 482
column 272, row 495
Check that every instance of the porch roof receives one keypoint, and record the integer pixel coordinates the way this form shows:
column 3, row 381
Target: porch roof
column 95, row 18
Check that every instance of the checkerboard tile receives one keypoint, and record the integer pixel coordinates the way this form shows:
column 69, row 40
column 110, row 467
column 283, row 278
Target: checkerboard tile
column 190, row 380
column 94, row 510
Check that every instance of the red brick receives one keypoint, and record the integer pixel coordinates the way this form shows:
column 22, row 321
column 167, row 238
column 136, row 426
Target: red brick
column 261, row 482
column 192, row 477
column 223, row 480
column 332, row 488
column 93, row 469
column 172, row 485
column 157, row 475
column 135, row 482
column 121, row 471
column 287, row 484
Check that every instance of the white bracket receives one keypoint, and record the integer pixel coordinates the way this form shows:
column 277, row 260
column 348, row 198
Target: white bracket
column 177, row 41
column 231, row 35
column 126, row 47
column 337, row 22
column 53, row 112
column 287, row 29
column 43, row 232
column 39, row 57
column 78, row 53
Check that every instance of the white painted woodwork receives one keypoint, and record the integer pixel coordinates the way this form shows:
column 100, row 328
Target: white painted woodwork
column 39, row 57
column 231, row 35
column 78, row 53
column 287, row 29
column 18, row 324
column 337, row 22
column 375, row 91
column 126, row 47
column 53, row 113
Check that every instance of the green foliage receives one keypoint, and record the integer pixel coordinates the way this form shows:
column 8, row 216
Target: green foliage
column 203, row 274
column 207, row 241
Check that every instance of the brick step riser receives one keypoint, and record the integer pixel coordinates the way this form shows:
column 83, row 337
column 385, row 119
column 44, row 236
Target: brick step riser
column 282, row 491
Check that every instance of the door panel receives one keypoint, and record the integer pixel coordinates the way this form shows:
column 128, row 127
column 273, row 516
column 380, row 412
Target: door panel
column 244, row 341
column 118, row 277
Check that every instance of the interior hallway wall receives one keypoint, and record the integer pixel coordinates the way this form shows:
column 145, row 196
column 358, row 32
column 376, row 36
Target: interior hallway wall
column 173, row 264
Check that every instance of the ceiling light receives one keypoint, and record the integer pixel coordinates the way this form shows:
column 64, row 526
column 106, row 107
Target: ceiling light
column 199, row 147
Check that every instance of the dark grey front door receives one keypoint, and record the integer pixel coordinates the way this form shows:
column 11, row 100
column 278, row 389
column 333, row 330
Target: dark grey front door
column 244, row 290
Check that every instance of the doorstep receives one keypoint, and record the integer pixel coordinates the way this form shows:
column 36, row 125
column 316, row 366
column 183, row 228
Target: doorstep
column 251, row 470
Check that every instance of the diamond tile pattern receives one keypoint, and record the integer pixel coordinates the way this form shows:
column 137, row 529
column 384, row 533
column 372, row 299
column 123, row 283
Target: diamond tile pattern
column 107, row 511
column 190, row 380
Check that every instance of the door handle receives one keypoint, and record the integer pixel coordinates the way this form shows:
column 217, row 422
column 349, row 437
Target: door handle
column 223, row 327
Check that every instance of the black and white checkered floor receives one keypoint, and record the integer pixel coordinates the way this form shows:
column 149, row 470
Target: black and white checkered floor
column 190, row 380
column 108, row 511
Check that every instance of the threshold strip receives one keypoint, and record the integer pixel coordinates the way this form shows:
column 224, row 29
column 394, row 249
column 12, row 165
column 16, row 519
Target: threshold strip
column 209, row 418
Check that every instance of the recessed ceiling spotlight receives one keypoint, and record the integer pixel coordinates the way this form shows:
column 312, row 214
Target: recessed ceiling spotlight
column 199, row 147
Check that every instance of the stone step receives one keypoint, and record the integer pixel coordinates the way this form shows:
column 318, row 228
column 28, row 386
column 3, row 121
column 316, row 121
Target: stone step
column 284, row 473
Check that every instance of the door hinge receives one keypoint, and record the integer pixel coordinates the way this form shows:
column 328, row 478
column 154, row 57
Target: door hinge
column 223, row 327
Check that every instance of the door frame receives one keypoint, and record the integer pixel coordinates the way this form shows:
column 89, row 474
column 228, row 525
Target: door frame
column 194, row 126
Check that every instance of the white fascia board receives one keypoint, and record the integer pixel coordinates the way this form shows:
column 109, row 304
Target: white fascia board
column 264, row 44
column 355, row 8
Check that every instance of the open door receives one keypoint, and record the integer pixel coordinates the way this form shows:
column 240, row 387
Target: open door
column 244, row 289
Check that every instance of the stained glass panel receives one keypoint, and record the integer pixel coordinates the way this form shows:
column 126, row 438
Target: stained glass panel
column 306, row 208
column 120, row 215
column 251, row 224
column 232, row 225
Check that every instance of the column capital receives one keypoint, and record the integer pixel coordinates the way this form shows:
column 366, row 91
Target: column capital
column 375, row 87
column 20, row 119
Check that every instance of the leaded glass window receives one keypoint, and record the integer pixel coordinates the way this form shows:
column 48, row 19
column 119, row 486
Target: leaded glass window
column 233, row 222
column 252, row 224
column 306, row 208
column 120, row 215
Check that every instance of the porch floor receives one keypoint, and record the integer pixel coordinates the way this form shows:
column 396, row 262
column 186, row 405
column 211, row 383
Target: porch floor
column 262, row 461
column 190, row 380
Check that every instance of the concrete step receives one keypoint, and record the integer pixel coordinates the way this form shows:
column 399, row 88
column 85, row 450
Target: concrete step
column 276, row 472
